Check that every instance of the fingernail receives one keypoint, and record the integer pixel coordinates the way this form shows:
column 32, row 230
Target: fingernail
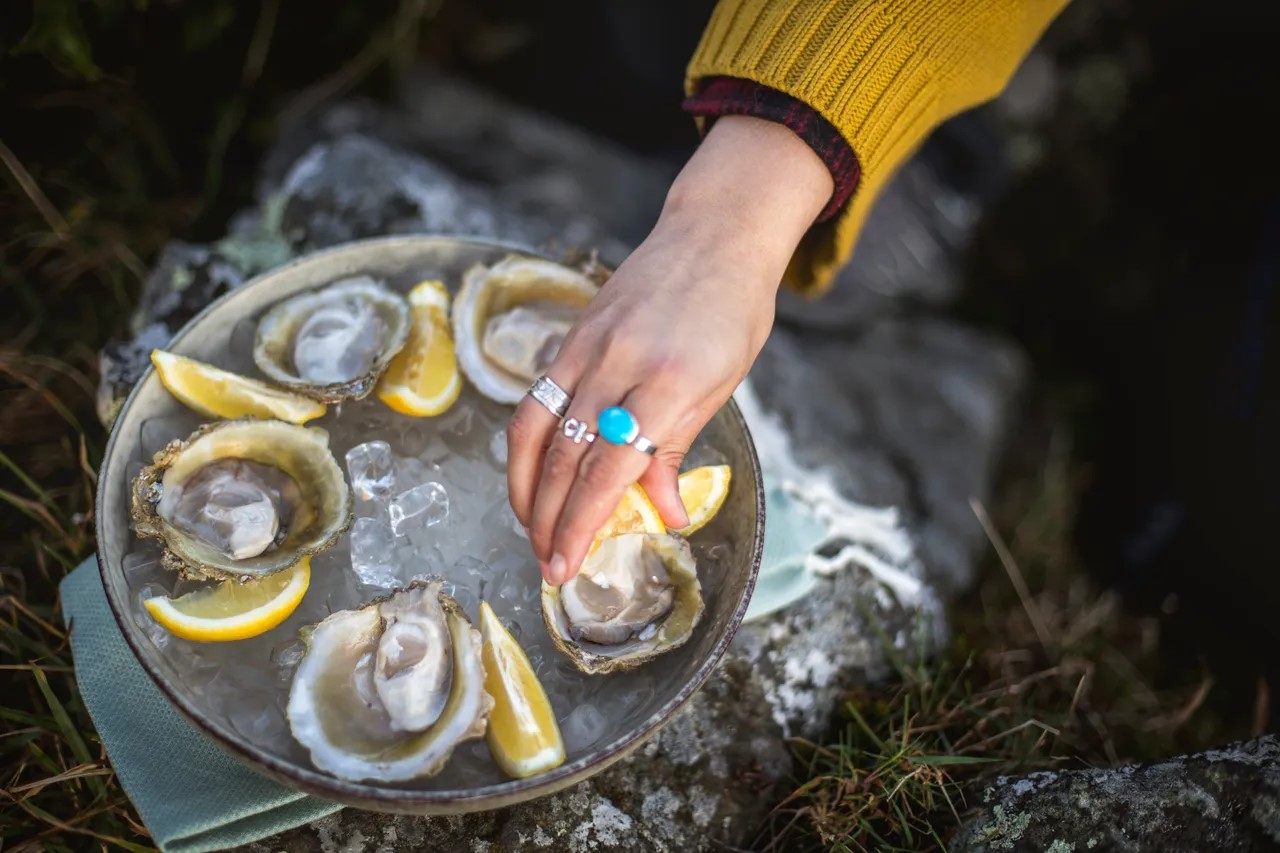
column 682, row 517
column 527, row 534
column 557, row 570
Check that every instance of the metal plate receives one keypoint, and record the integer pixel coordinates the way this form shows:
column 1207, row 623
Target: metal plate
column 402, row 262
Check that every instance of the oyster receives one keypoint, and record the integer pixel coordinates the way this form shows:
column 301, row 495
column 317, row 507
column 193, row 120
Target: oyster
column 333, row 343
column 242, row 499
column 510, row 319
column 385, row 692
column 636, row 597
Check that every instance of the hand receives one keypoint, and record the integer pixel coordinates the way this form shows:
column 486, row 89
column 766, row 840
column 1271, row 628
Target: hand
column 669, row 336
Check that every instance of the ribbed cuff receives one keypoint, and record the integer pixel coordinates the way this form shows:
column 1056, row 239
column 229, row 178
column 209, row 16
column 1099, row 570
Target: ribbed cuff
column 721, row 96
column 884, row 72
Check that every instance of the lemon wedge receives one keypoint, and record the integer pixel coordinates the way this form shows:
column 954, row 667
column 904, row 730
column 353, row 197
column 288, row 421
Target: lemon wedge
column 635, row 513
column 220, row 393
column 232, row 610
column 423, row 378
column 703, row 491
column 522, row 734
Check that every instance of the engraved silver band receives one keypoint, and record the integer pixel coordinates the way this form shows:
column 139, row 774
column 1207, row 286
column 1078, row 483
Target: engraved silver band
column 644, row 445
column 577, row 431
column 554, row 398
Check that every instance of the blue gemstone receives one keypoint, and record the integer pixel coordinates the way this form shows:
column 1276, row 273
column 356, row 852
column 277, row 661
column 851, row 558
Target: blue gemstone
column 617, row 426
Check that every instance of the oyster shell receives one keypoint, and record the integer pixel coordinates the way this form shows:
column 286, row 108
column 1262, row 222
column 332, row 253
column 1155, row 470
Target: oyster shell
column 385, row 692
column 510, row 319
column 636, row 597
column 242, row 499
column 333, row 343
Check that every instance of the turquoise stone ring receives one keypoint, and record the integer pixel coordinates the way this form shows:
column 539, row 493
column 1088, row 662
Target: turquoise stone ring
column 617, row 426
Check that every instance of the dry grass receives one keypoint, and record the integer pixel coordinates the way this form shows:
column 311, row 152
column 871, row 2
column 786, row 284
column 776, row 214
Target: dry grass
column 76, row 279
column 1047, row 669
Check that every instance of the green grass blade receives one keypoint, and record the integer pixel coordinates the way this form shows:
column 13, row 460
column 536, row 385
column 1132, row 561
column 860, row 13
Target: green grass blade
column 63, row 719
column 32, row 485
column 945, row 760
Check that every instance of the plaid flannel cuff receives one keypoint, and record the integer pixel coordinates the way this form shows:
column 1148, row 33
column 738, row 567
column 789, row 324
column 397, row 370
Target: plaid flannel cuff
column 721, row 96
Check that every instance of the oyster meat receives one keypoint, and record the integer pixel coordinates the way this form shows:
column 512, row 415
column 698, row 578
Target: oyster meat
column 387, row 691
column 242, row 499
column 333, row 343
column 510, row 319
column 636, row 597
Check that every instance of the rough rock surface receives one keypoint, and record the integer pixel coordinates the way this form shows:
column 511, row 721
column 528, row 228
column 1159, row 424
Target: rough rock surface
column 1225, row 799
column 908, row 411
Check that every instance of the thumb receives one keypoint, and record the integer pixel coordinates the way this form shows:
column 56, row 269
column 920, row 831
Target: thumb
column 660, row 483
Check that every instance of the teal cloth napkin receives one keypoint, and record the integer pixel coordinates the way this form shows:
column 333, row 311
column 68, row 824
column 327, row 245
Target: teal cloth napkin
column 191, row 795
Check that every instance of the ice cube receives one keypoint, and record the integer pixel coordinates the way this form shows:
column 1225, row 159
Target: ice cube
column 498, row 449
column 154, row 631
column 425, row 505
column 414, row 563
column 456, row 429
column 412, row 470
column 468, row 475
column 514, row 586
column 466, row 598
column 141, row 567
column 636, row 697
column 471, row 572
column 156, row 433
column 500, row 521
column 566, row 686
column 371, row 468
column 260, row 724
column 286, row 657
column 373, row 552
column 420, row 440
column 583, row 727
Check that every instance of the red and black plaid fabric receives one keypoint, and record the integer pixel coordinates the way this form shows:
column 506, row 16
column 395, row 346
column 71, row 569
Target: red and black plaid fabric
column 721, row 96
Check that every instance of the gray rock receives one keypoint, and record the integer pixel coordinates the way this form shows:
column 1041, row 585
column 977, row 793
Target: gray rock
column 670, row 795
column 932, row 400
column 573, row 188
column 909, row 252
column 1223, row 800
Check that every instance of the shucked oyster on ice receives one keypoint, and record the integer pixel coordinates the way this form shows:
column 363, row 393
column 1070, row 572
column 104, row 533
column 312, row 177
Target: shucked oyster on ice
column 387, row 691
column 510, row 319
column 333, row 343
column 242, row 498
column 635, row 597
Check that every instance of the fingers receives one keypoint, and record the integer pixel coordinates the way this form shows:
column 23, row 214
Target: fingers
column 604, row 472
column 560, row 468
column 529, row 432
column 661, row 483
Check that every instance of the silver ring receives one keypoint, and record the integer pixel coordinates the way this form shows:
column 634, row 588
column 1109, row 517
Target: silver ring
column 577, row 431
column 554, row 398
column 644, row 445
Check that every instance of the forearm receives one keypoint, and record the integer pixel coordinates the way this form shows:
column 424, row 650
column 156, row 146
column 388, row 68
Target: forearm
column 752, row 190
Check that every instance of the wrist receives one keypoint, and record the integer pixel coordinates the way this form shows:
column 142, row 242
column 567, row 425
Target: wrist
column 753, row 186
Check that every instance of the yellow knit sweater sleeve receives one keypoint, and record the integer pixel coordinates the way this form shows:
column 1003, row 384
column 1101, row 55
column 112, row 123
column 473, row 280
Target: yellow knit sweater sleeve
column 884, row 72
